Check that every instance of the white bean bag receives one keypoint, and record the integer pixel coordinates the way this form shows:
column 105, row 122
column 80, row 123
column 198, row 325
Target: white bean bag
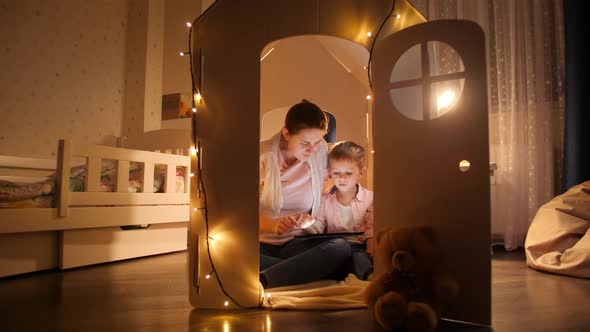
column 558, row 240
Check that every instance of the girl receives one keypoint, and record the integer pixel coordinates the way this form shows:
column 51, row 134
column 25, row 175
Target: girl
column 348, row 207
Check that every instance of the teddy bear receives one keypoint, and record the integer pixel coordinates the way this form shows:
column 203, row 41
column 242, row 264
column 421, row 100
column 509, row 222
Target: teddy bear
column 413, row 290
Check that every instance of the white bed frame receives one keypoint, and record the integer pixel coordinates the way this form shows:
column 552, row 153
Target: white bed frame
column 85, row 227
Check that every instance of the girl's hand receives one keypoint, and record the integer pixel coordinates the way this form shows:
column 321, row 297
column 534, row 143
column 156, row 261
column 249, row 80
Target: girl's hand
column 370, row 246
column 288, row 223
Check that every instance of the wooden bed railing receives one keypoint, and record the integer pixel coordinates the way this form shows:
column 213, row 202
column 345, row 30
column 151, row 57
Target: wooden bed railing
column 94, row 154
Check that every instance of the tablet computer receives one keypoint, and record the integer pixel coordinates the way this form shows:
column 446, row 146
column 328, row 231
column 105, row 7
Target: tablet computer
column 328, row 235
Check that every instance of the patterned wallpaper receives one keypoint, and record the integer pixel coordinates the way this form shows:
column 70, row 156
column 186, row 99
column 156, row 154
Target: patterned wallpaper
column 145, row 42
column 153, row 66
column 135, row 73
column 63, row 73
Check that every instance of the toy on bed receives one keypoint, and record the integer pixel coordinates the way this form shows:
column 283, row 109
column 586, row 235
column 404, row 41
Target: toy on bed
column 413, row 290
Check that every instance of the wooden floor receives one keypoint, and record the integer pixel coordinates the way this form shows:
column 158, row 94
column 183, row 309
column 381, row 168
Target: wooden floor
column 150, row 294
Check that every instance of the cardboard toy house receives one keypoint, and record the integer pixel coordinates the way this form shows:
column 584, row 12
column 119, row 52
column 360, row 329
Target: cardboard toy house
column 430, row 162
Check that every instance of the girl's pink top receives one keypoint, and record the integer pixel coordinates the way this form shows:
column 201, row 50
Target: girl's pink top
column 328, row 217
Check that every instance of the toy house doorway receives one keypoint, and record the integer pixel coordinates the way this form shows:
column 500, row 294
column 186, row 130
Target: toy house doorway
column 327, row 71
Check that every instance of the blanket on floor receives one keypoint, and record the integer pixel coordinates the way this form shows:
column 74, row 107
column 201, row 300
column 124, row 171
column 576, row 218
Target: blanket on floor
column 319, row 295
column 558, row 240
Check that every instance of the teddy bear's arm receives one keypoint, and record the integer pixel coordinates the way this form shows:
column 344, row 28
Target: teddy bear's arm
column 375, row 289
column 445, row 288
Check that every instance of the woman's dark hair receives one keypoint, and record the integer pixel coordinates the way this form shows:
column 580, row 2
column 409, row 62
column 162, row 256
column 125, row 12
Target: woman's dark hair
column 305, row 115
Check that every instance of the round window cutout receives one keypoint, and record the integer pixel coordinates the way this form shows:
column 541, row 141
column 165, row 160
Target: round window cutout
column 464, row 165
column 427, row 81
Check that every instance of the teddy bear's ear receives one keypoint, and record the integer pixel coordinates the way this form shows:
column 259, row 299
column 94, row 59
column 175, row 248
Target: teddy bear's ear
column 384, row 244
column 428, row 233
column 381, row 234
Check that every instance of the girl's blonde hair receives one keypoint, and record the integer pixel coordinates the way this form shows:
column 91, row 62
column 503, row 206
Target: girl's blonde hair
column 348, row 150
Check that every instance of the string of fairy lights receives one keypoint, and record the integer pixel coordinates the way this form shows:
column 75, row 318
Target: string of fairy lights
column 370, row 77
column 196, row 149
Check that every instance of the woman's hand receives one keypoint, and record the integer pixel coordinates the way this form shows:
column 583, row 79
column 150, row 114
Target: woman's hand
column 288, row 223
column 305, row 221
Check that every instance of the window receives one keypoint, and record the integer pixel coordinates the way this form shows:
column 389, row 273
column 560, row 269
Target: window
column 427, row 81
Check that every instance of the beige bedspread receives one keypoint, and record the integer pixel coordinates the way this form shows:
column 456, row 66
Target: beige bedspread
column 319, row 295
column 558, row 240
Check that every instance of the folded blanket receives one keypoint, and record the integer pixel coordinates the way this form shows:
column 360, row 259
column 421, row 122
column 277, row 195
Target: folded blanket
column 14, row 192
column 319, row 295
column 558, row 240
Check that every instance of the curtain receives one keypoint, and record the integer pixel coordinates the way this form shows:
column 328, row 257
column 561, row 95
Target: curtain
column 525, row 57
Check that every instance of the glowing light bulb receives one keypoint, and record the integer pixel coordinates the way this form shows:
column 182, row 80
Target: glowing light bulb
column 369, row 97
column 198, row 97
column 208, row 276
column 188, row 24
column 369, row 34
column 446, row 99
column 398, row 16
column 181, row 53
column 196, row 209
column 192, row 174
column 268, row 295
column 365, row 67
column 464, row 165
column 226, row 303
column 193, row 151
column 372, row 151
column 194, row 110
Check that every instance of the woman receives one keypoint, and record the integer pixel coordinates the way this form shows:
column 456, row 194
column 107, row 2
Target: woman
column 292, row 170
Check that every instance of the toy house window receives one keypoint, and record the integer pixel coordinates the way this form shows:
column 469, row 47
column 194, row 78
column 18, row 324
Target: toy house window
column 427, row 81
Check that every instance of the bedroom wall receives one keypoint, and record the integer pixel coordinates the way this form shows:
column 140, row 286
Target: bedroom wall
column 176, row 75
column 157, row 33
column 63, row 73
column 83, row 70
column 144, row 56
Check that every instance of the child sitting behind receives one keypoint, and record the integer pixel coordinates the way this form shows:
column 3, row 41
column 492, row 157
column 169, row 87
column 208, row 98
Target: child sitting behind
column 348, row 207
